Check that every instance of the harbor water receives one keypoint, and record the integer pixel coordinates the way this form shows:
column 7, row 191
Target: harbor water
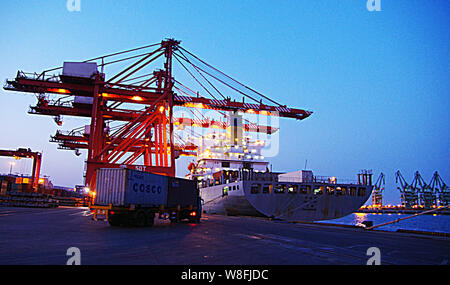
column 428, row 223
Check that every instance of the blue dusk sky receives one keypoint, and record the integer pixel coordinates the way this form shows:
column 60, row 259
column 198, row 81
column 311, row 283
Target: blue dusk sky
column 377, row 82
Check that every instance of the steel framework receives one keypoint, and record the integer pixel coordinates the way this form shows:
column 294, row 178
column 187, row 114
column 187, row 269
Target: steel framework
column 377, row 192
column 419, row 193
column 27, row 153
column 146, row 134
column 439, row 188
column 408, row 194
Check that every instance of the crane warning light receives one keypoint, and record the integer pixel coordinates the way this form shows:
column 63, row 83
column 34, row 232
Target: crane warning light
column 58, row 90
column 137, row 98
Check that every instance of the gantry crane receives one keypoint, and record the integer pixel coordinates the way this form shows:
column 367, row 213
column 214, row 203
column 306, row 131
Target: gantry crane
column 408, row 194
column 427, row 196
column 27, row 153
column 418, row 184
column 377, row 192
column 423, row 194
column 439, row 187
column 147, row 125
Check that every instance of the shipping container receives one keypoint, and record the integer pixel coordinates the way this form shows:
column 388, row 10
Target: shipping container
column 80, row 69
column 297, row 176
column 123, row 187
column 128, row 196
column 82, row 100
column 16, row 187
column 3, row 187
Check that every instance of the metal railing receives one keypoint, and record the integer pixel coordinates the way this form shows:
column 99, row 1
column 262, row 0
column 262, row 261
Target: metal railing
column 38, row 76
column 321, row 179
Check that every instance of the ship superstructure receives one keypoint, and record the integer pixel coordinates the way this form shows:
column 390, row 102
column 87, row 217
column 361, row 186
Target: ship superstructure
column 234, row 179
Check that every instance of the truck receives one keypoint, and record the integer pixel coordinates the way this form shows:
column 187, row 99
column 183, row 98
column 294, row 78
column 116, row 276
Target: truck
column 128, row 197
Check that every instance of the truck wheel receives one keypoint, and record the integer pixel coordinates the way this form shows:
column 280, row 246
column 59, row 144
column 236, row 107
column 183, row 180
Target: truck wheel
column 199, row 215
column 140, row 219
column 114, row 222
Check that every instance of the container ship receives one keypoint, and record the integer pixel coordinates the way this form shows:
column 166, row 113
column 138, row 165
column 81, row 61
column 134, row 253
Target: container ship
column 234, row 179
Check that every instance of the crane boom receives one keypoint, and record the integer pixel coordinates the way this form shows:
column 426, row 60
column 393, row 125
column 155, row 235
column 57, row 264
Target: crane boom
column 132, row 94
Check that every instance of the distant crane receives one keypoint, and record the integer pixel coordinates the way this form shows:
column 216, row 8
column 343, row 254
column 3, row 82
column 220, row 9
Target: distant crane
column 377, row 192
column 408, row 194
column 427, row 195
column 27, row 153
column 439, row 187
column 419, row 186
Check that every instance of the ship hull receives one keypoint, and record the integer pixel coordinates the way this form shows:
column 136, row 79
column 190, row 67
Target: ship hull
column 233, row 202
column 238, row 199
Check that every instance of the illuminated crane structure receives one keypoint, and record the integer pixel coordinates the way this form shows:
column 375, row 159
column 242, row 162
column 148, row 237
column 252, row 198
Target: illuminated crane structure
column 438, row 186
column 27, row 153
column 132, row 123
column 408, row 194
column 427, row 196
column 420, row 194
column 377, row 192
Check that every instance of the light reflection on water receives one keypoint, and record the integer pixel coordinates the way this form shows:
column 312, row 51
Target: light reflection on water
column 359, row 218
column 432, row 223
